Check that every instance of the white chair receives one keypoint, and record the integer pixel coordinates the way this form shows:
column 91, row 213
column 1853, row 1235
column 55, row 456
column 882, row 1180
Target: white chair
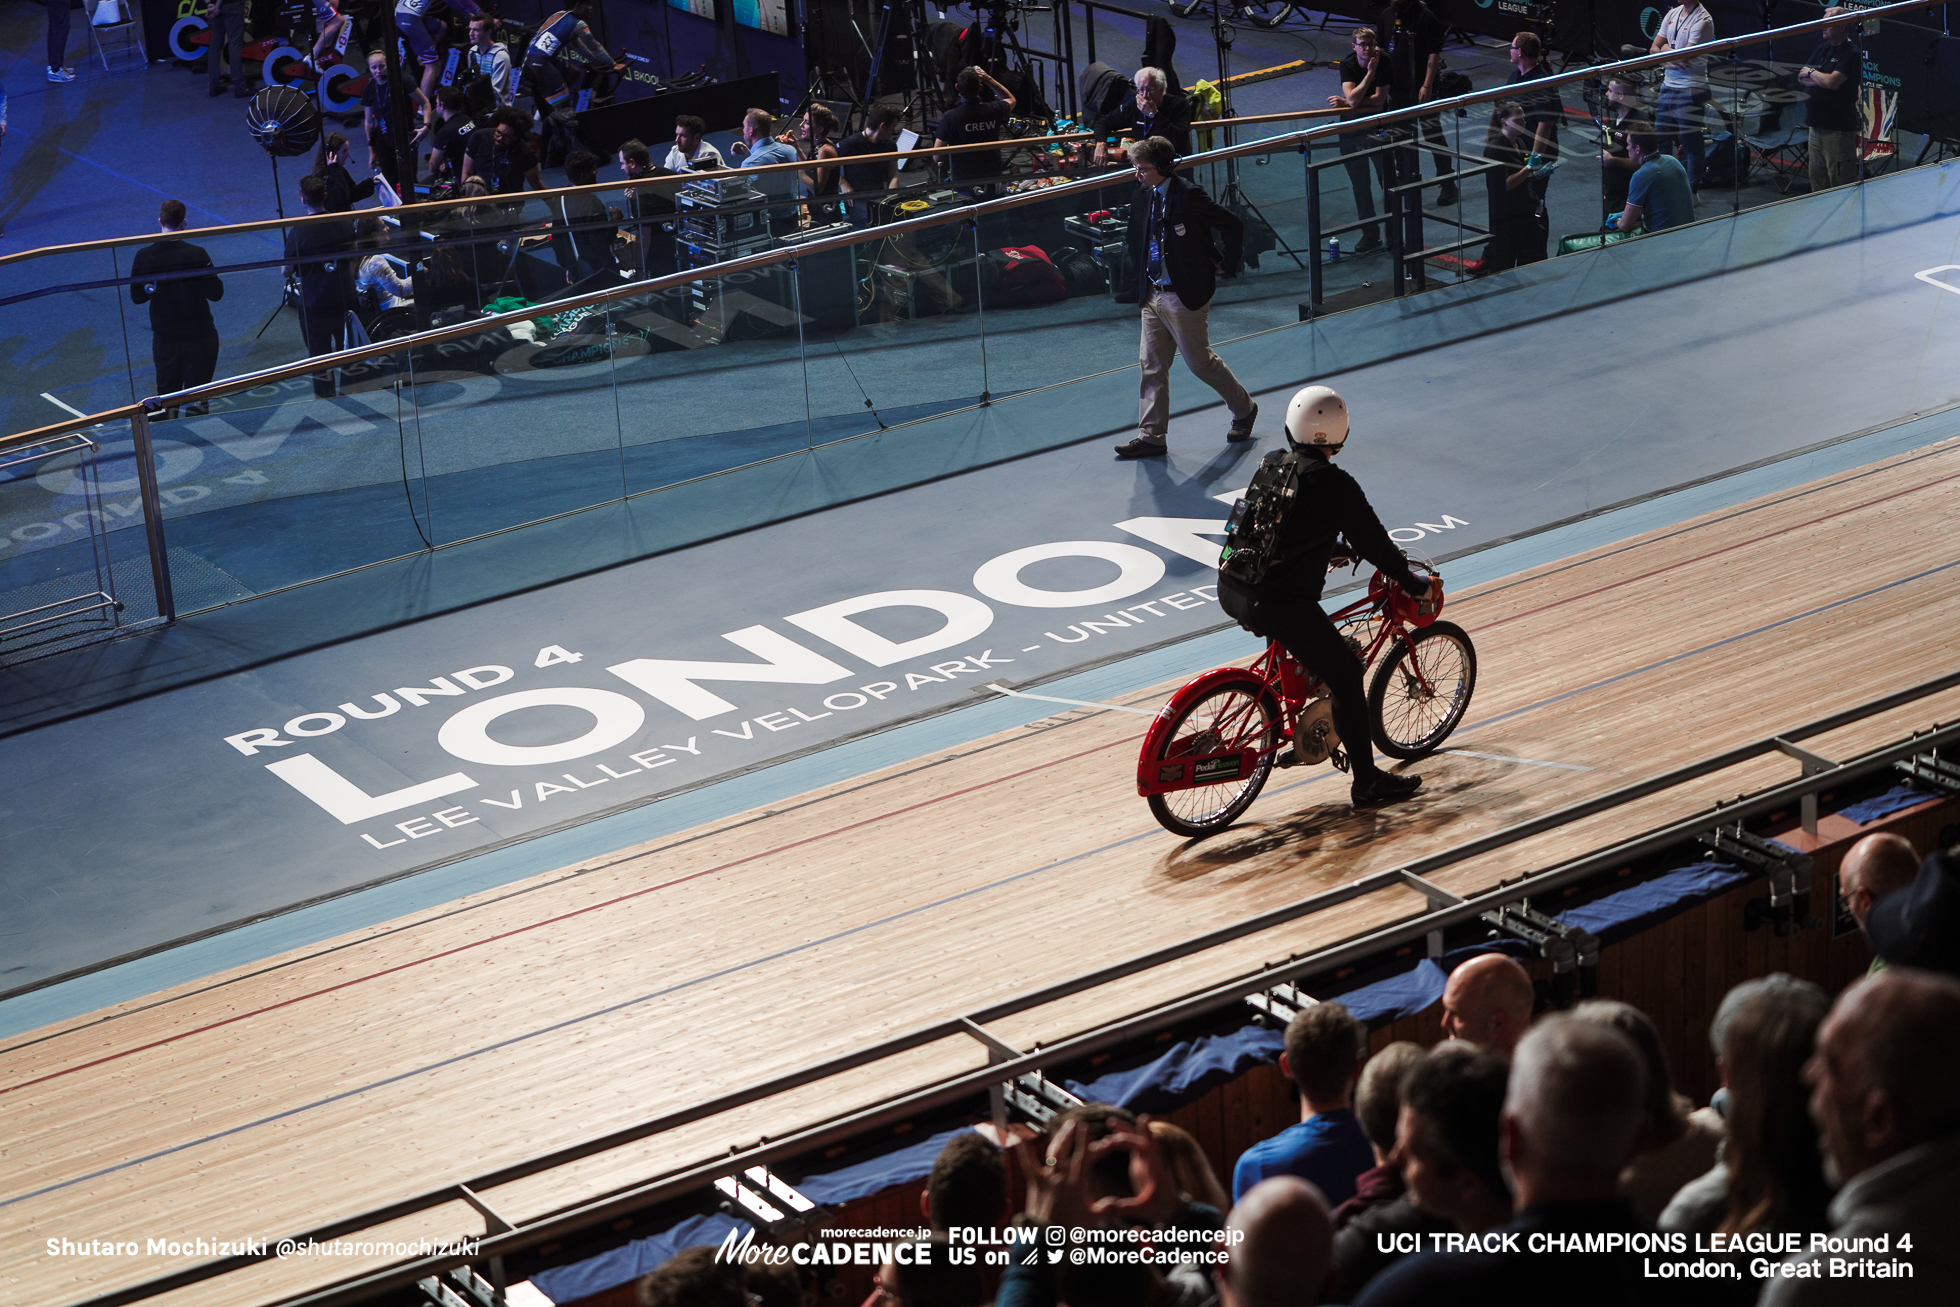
column 117, row 25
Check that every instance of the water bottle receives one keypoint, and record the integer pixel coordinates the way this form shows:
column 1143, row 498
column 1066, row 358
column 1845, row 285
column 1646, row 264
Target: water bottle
column 1333, row 249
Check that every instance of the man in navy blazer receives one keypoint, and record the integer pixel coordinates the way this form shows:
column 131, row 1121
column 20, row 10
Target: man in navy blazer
column 1181, row 242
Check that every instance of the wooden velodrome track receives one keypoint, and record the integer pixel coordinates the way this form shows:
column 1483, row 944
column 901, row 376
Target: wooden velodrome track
column 330, row 1080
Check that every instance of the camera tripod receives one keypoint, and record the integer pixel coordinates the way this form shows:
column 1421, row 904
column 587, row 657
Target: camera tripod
column 1233, row 196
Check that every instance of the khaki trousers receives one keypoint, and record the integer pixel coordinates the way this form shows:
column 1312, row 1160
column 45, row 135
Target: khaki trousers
column 1170, row 329
column 1833, row 158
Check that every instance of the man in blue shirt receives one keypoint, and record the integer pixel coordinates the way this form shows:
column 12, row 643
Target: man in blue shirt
column 1659, row 190
column 1324, row 1046
column 757, row 148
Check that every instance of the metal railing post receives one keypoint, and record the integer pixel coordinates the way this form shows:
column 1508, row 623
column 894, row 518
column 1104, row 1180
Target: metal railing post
column 1316, row 288
column 146, row 480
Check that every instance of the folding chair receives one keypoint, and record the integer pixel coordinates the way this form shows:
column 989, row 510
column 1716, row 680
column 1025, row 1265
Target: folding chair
column 123, row 32
column 1784, row 148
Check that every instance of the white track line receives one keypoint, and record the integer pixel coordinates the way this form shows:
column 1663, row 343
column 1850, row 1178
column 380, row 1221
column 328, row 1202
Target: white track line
column 69, row 408
column 1073, row 703
column 1529, row 762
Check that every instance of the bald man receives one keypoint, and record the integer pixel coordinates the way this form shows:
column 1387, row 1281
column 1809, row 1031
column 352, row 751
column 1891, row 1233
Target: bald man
column 1885, row 1093
column 1488, row 1002
column 1874, row 867
column 1572, row 1113
column 1284, row 1246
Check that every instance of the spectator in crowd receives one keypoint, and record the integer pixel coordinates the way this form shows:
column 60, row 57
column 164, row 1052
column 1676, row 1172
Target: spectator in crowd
column 1488, row 1002
column 58, row 71
column 646, row 207
column 1152, row 111
column 1102, row 1167
column 377, row 111
column 1324, row 1048
column 1623, row 114
column 1659, row 193
column 1517, row 234
column 376, row 278
column 967, row 1185
column 183, row 339
column 1188, row 1167
column 1281, row 1254
column 1571, row 1115
column 693, row 1277
column 880, row 129
column 1684, row 86
column 501, row 154
column 1415, row 63
column 979, row 117
column 929, row 1280
column 583, row 231
column 1542, row 106
column 1377, row 1105
column 1885, row 1093
column 1833, row 77
column 1919, row 926
column 1180, row 243
column 1364, row 91
column 330, row 166
column 317, row 253
column 776, row 1286
column 1875, row 866
column 1382, row 1204
column 690, row 146
column 491, row 80
column 225, row 26
column 454, row 123
column 1675, row 1148
column 329, row 22
column 817, row 130
column 757, row 148
column 1446, row 1140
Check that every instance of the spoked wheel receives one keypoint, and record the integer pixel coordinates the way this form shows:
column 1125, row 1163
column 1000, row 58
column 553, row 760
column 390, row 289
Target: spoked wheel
column 1235, row 716
column 1262, row 13
column 1421, row 690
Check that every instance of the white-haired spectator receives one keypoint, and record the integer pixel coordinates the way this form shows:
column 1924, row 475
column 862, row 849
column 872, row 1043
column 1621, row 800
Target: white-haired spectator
column 1155, row 110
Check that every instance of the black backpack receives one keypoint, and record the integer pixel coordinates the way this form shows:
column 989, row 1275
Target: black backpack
column 1252, row 532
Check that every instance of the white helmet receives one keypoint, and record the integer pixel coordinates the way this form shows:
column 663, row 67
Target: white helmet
column 1317, row 417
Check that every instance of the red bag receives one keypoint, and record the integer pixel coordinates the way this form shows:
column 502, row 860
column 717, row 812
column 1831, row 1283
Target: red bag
column 1027, row 276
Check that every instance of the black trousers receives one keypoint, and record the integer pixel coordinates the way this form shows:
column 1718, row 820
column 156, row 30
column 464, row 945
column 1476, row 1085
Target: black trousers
column 184, row 361
column 57, row 31
column 324, row 330
column 1309, row 635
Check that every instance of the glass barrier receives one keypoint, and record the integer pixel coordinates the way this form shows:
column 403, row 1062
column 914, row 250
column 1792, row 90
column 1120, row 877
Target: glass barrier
column 567, row 409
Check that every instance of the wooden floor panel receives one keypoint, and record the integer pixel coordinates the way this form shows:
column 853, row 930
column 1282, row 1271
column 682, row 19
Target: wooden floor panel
column 532, row 1016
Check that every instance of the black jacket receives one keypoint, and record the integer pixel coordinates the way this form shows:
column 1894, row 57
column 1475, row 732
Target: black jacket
column 179, row 299
column 1172, row 121
column 1198, row 234
column 1329, row 505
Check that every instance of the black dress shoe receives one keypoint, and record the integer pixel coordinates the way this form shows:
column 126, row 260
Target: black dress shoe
column 1384, row 787
column 1142, row 447
column 1446, row 197
column 1369, row 243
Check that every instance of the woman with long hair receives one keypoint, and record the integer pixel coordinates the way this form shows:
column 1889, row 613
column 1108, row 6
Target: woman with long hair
column 1514, row 235
column 330, row 166
column 1776, row 1175
column 375, row 274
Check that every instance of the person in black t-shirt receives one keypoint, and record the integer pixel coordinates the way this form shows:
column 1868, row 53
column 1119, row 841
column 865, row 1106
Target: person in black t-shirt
column 183, row 339
column 1364, row 91
column 880, row 126
column 378, row 107
column 318, row 253
column 1515, row 234
column 330, row 166
column 501, row 154
column 1833, row 77
column 582, row 230
column 454, row 124
column 1415, row 62
column 978, row 117
column 1623, row 115
column 1542, row 106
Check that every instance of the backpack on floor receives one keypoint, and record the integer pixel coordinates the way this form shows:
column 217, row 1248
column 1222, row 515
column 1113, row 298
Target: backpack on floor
column 1026, row 276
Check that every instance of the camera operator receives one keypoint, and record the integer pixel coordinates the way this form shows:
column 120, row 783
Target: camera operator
column 1152, row 111
column 563, row 50
column 978, row 117
column 501, row 154
column 183, row 339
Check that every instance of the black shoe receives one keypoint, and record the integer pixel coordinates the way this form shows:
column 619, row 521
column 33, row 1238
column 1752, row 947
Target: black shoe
column 1143, row 447
column 1286, row 758
column 1369, row 243
column 217, row 89
column 1446, row 197
column 1241, row 428
column 1384, row 787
